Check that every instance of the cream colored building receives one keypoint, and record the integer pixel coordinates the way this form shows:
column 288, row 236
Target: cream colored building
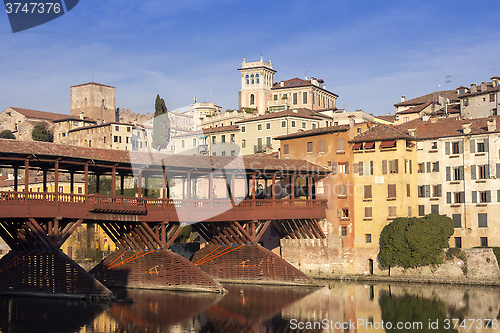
column 480, row 101
column 216, row 141
column 257, row 134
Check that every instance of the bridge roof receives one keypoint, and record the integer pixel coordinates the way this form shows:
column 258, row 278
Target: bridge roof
column 107, row 157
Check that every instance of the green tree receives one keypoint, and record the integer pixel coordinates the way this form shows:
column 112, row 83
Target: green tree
column 7, row 134
column 161, row 125
column 413, row 241
column 40, row 133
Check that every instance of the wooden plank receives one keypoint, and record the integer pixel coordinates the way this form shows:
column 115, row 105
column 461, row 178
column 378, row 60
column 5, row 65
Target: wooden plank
column 243, row 231
column 263, row 230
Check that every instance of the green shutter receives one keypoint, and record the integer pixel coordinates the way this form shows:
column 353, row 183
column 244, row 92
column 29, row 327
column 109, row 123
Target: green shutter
column 498, row 195
column 460, row 147
column 437, row 166
column 488, row 196
column 498, row 170
column 428, row 166
column 427, row 191
column 447, row 148
column 473, row 172
column 486, row 145
column 462, row 197
column 448, row 173
column 472, row 146
column 487, row 171
column 474, row 196
column 439, row 190
column 461, row 172
column 448, row 197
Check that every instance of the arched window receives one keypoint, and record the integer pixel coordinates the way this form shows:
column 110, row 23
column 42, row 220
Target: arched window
column 247, row 78
column 252, row 99
column 252, row 79
column 257, row 78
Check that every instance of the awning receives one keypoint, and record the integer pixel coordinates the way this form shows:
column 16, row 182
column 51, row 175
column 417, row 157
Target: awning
column 202, row 137
column 369, row 145
column 357, row 146
column 387, row 144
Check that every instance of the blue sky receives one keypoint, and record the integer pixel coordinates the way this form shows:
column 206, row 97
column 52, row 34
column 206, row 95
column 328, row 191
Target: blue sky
column 368, row 52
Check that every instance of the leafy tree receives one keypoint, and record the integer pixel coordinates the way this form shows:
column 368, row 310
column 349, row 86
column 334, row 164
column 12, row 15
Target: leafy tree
column 7, row 134
column 40, row 133
column 161, row 125
column 413, row 241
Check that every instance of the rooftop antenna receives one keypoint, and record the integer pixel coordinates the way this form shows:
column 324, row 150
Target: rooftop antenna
column 447, row 80
column 305, row 74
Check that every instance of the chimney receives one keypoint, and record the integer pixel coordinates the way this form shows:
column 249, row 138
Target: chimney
column 433, row 120
column 466, row 128
column 473, row 88
column 403, row 99
column 483, row 86
column 351, row 121
column 425, row 118
column 81, row 115
column 495, row 80
column 440, row 100
column 412, row 131
column 492, row 124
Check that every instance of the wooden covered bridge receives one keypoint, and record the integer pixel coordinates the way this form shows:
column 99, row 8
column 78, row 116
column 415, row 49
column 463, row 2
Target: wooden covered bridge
column 229, row 201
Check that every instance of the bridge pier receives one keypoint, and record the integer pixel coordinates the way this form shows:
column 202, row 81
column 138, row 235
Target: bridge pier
column 35, row 266
column 144, row 260
column 233, row 253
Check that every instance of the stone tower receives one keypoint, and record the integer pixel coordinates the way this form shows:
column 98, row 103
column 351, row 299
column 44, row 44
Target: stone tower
column 256, row 84
column 93, row 100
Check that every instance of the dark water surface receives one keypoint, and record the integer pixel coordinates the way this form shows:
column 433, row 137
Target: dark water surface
column 337, row 307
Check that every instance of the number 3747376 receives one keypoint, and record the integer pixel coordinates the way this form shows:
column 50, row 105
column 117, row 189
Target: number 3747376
column 33, row 7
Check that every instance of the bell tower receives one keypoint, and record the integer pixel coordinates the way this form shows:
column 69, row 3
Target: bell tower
column 256, row 84
column 93, row 100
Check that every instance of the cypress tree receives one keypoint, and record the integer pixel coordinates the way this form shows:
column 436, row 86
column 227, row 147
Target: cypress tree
column 161, row 125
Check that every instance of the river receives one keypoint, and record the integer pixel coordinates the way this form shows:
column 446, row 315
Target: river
column 336, row 307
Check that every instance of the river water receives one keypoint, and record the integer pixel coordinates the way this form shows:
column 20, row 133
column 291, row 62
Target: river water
column 336, row 307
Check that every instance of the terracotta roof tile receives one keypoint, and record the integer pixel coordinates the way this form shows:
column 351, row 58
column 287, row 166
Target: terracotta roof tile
column 391, row 118
column 415, row 109
column 450, row 94
column 380, row 132
column 447, row 127
column 301, row 113
column 312, row 132
column 40, row 114
column 297, row 82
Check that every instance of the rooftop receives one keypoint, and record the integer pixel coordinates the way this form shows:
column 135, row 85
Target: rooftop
column 299, row 113
column 382, row 132
column 312, row 132
column 432, row 97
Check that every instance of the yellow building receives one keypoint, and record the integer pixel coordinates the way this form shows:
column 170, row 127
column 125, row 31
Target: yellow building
column 385, row 187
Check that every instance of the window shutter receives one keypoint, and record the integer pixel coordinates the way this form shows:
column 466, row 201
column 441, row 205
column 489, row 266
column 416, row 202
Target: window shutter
column 346, row 167
column 339, row 212
column 498, row 170
column 472, row 146
column 360, row 168
column 427, row 191
column 396, row 165
column 437, row 166
column 428, row 166
column 371, row 168
column 447, row 148
column 448, row 197
column 461, row 172
column 368, row 191
column 448, row 173
column 384, row 167
column 462, row 197
column 439, row 190
column 487, row 171
column 474, row 196
column 408, row 192
column 473, row 172
column 460, row 147
column 486, row 145
column 410, row 168
column 488, row 196
column 498, row 195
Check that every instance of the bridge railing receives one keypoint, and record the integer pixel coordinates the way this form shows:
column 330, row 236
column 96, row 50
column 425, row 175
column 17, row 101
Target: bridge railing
column 94, row 199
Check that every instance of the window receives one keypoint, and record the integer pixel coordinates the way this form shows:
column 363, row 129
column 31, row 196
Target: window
column 434, row 209
column 80, row 190
column 421, row 210
column 233, row 152
column 128, row 129
column 259, row 127
column 343, row 231
column 293, row 123
column 484, row 196
column 283, row 123
column 304, row 125
column 224, row 153
column 492, row 97
column 214, row 139
column 455, row 147
column 259, row 144
column 183, row 144
column 341, row 144
column 484, row 241
column 458, row 242
column 393, row 166
column 421, row 191
column 345, row 213
column 115, row 139
column 275, row 97
column 436, row 191
column 457, row 173
column 408, row 192
column 406, row 119
column 435, row 166
column 480, row 146
column 243, row 143
column 309, row 147
column 368, row 212
column 232, row 138
column 457, row 219
column 409, row 211
column 257, row 78
column 434, row 145
column 223, row 138
column 285, row 149
column 368, row 238
column 457, row 197
column 247, row 79
column 367, row 192
column 482, row 220
column 268, row 126
column 313, row 126
column 304, row 97
column 117, row 128
column 420, row 145
column 294, row 98
column 194, row 142
column 391, row 190
column 243, row 129
column 481, row 171
column 321, row 146
column 343, row 167
column 268, row 142
column 408, row 168
column 120, row 139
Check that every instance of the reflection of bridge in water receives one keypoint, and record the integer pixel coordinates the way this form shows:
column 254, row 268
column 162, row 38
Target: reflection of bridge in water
column 243, row 197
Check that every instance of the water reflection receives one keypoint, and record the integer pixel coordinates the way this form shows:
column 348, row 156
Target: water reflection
column 265, row 309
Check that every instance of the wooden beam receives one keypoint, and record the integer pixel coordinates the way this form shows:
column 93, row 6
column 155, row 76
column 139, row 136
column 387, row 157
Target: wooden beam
column 244, row 232
column 40, row 233
column 174, row 236
column 262, row 231
column 68, row 231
